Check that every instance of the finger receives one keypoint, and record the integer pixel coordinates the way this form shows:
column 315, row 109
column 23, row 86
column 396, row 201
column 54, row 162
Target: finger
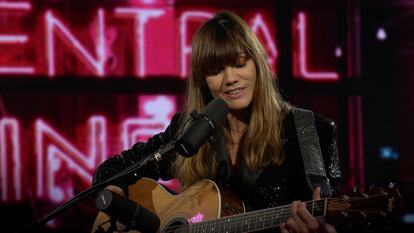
column 283, row 228
column 316, row 193
column 120, row 226
column 299, row 225
column 116, row 189
column 292, row 225
column 310, row 223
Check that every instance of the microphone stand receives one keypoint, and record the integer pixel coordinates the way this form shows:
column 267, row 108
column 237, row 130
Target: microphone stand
column 154, row 157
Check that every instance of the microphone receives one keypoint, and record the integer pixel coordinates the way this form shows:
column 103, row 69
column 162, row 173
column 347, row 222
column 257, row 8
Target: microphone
column 202, row 128
column 127, row 212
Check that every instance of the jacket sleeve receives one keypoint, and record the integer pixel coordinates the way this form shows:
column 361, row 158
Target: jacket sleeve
column 117, row 163
column 327, row 132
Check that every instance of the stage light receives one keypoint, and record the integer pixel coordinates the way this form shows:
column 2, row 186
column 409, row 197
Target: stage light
column 408, row 218
column 338, row 52
column 388, row 153
column 381, row 34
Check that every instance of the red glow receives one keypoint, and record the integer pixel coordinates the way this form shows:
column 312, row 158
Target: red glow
column 15, row 5
column 259, row 24
column 15, row 39
column 18, row 39
column 156, row 48
column 360, row 142
column 53, row 151
column 351, row 139
column 141, row 17
column 356, row 155
column 185, row 42
column 154, row 114
column 53, row 24
column 59, row 162
column 301, row 68
column 10, row 158
column 16, row 70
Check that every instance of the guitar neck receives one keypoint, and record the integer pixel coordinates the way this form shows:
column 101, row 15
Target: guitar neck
column 256, row 220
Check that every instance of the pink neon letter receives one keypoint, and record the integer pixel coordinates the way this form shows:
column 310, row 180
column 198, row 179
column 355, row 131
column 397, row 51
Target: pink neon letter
column 53, row 151
column 10, row 158
column 303, row 65
column 15, row 39
column 185, row 48
column 15, row 5
column 259, row 23
column 141, row 17
column 53, row 24
column 155, row 113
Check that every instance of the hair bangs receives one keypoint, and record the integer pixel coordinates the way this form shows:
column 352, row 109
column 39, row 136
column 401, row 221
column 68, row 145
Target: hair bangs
column 223, row 47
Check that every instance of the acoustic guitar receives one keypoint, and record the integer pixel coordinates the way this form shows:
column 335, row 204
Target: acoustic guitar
column 206, row 207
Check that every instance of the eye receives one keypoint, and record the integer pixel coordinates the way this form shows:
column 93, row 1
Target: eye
column 241, row 62
column 214, row 72
column 240, row 65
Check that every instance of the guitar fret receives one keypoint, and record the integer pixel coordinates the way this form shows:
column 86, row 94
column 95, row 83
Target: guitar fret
column 210, row 226
column 268, row 219
column 313, row 208
column 231, row 222
column 256, row 220
column 225, row 226
column 318, row 207
column 204, row 227
column 237, row 224
column 249, row 222
column 199, row 227
column 219, row 225
column 244, row 227
column 253, row 221
column 284, row 215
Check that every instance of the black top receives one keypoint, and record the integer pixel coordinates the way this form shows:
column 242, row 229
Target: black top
column 268, row 187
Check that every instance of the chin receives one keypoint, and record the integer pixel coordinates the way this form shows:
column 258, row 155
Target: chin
column 238, row 106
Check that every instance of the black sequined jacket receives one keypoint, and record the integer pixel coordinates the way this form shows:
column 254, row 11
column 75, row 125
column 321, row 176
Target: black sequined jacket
column 268, row 187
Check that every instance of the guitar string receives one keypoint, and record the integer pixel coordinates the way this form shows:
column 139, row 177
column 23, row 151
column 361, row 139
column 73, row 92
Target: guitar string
column 270, row 212
column 319, row 203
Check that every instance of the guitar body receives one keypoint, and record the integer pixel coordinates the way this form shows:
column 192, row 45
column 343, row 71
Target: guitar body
column 202, row 201
column 205, row 207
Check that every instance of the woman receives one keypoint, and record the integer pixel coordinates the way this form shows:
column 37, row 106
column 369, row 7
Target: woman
column 256, row 153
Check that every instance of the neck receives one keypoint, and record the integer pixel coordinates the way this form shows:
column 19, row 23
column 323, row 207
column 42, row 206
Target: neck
column 238, row 120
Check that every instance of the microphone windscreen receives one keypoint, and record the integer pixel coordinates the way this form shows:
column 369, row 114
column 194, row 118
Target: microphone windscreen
column 202, row 128
column 216, row 111
column 127, row 212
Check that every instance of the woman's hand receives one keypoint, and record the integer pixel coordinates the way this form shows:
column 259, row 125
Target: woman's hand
column 301, row 220
column 116, row 189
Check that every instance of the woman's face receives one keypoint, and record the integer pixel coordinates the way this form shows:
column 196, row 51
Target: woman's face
column 234, row 84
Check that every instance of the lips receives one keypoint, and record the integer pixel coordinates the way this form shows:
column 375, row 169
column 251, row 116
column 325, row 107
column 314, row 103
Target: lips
column 235, row 93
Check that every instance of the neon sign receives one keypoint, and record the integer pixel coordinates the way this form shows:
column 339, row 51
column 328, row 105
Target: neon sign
column 138, row 41
column 302, row 65
column 57, row 160
column 15, row 39
column 143, row 38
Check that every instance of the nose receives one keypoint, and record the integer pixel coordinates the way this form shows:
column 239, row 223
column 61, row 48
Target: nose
column 230, row 77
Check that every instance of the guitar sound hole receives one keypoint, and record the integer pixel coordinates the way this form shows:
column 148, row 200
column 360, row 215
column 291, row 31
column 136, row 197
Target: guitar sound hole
column 177, row 225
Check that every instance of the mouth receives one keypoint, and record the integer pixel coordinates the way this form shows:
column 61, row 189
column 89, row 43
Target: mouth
column 234, row 91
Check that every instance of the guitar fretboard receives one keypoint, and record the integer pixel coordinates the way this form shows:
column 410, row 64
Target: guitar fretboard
column 255, row 220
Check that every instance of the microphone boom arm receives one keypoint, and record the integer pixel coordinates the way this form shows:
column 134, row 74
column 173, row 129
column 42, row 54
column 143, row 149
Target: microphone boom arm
column 154, row 157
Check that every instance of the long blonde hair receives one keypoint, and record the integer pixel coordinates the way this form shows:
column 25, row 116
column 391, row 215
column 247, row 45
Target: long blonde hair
column 217, row 44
